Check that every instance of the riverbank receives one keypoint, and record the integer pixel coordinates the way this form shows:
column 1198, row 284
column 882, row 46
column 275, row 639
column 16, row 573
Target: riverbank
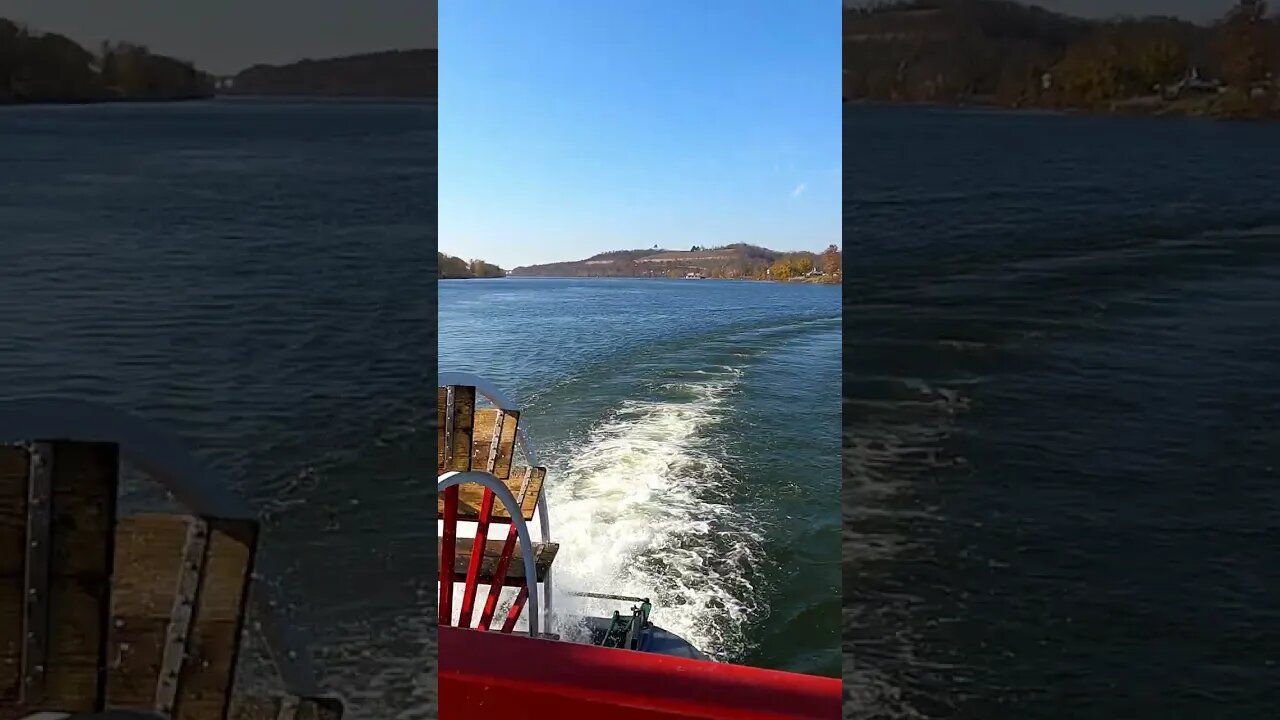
column 823, row 280
column 104, row 100
column 398, row 74
column 455, row 268
column 1224, row 107
column 1018, row 55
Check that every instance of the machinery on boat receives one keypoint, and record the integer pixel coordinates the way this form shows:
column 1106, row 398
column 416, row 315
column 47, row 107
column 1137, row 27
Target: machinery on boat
column 491, row 487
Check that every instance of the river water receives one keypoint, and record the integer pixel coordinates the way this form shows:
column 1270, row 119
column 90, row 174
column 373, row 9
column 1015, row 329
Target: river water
column 1062, row 388
column 692, row 433
column 255, row 276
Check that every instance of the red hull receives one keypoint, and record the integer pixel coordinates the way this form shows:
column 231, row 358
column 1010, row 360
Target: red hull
column 513, row 677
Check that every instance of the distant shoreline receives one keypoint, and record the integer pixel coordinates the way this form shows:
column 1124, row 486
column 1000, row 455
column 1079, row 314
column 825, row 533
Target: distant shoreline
column 45, row 68
column 792, row 281
column 353, row 99
column 1192, row 109
column 299, row 99
column 100, row 101
column 399, row 74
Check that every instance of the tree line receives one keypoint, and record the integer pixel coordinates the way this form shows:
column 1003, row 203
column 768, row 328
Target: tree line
column 397, row 73
column 47, row 67
column 800, row 264
column 454, row 268
column 1010, row 54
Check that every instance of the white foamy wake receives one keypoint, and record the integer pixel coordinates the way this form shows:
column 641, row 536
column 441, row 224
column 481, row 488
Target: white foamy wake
column 641, row 509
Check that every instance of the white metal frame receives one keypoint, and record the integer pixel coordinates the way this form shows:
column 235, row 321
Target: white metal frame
column 166, row 459
column 500, row 400
column 499, row 488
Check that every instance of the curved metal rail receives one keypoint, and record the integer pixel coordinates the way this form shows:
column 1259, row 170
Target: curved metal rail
column 166, row 459
column 499, row 488
column 500, row 400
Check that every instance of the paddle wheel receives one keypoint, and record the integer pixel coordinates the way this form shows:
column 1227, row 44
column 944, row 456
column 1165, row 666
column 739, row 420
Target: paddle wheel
column 483, row 489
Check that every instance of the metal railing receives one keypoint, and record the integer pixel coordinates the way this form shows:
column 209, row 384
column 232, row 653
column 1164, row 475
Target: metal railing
column 491, row 392
column 499, row 488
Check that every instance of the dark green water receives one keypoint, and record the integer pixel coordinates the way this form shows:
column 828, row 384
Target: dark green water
column 251, row 275
column 693, row 440
column 1062, row 381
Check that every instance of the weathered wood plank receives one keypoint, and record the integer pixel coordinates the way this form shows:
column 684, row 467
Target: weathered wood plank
column 76, row 616
column 37, row 583
column 85, row 484
column 543, row 553
column 459, row 428
column 149, row 561
column 148, row 558
column 208, row 675
column 494, row 441
column 442, row 409
column 13, row 528
column 471, row 495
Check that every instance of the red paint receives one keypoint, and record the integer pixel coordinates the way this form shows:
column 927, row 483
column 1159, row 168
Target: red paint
column 499, row 575
column 447, row 554
column 516, row 677
column 477, row 555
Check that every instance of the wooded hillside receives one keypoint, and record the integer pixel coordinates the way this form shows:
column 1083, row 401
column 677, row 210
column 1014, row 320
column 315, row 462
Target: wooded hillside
column 453, row 268
column 1009, row 54
column 394, row 74
column 47, row 67
column 738, row 260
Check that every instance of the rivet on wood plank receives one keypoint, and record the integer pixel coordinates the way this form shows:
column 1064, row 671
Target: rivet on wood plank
column 495, row 444
column 449, row 422
column 35, row 615
column 178, row 632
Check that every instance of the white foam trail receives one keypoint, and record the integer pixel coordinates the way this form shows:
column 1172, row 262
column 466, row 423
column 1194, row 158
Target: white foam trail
column 637, row 511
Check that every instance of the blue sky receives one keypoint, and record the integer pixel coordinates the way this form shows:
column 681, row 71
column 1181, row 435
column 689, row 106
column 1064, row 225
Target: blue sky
column 572, row 127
